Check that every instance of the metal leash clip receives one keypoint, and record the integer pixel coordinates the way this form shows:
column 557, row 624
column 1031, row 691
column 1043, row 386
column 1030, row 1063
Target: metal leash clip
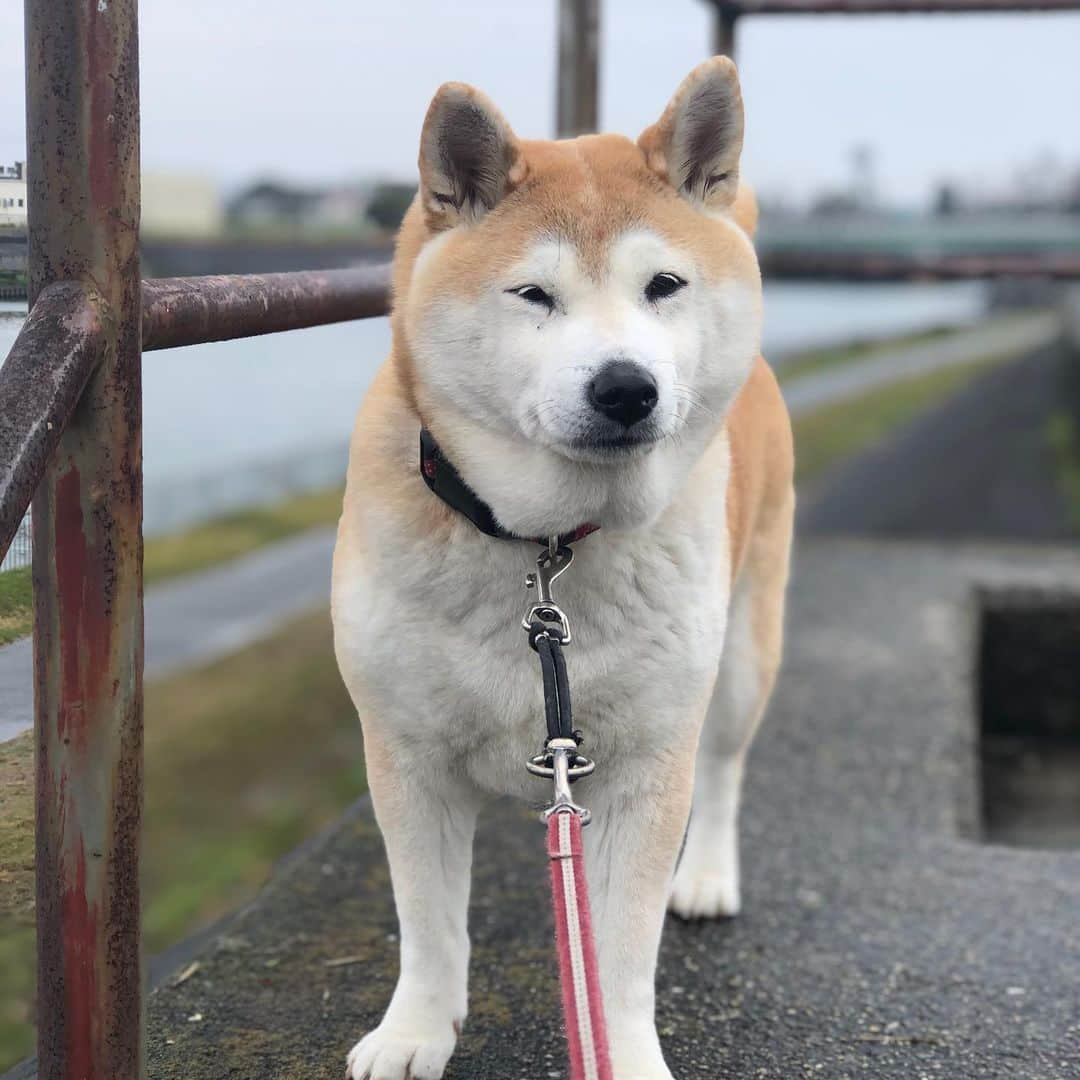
column 561, row 761
column 552, row 562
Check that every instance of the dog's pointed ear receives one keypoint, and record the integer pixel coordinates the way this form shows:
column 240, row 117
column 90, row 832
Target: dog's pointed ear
column 695, row 145
column 469, row 156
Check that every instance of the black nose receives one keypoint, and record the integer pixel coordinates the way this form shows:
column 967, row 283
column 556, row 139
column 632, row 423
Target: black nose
column 623, row 391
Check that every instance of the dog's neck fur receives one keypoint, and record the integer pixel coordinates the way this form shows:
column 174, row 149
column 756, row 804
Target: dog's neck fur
column 535, row 491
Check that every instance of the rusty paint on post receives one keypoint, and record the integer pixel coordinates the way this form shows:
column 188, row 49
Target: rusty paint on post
column 40, row 383
column 83, row 165
column 188, row 311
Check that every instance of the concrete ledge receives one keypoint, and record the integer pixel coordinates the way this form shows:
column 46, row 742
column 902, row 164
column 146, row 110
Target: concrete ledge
column 879, row 938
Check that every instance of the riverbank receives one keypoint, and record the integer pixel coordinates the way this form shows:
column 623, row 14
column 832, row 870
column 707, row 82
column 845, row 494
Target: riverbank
column 167, row 558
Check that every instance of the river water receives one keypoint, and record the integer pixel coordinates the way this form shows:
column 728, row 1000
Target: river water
column 242, row 422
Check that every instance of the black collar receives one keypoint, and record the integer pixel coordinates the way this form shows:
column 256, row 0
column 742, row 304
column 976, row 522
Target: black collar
column 445, row 481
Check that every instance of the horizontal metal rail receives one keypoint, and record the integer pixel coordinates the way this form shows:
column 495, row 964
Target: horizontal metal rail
column 39, row 397
column 736, row 8
column 41, row 381
column 189, row 311
column 856, row 266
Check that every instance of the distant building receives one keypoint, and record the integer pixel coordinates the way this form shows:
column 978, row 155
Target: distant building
column 13, row 195
column 388, row 204
column 270, row 204
column 175, row 204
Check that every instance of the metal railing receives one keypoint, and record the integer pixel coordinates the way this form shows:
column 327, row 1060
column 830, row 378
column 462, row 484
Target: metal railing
column 18, row 554
column 728, row 12
column 70, row 396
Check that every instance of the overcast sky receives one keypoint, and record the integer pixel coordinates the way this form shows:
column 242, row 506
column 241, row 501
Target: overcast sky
column 324, row 90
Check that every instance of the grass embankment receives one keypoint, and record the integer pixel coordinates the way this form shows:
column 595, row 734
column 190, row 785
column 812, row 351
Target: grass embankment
column 241, row 766
column 827, row 436
column 16, row 604
column 1063, row 436
column 197, row 548
column 1062, row 432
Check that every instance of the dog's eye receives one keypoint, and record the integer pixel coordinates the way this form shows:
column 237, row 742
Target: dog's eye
column 663, row 285
column 533, row 294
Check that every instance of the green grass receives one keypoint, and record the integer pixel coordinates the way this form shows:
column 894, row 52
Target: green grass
column 16, row 898
column 237, row 534
column 197, row 548
column 828, row 436
column 244, row 760
column 16, row 604
column 1063, row 436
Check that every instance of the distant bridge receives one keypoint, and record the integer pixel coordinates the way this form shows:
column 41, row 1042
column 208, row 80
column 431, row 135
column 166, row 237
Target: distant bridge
column 887, row 246
column 866, row 247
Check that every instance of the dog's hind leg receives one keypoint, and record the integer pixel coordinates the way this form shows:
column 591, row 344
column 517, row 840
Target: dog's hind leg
column 706, row 884
column 427, row 817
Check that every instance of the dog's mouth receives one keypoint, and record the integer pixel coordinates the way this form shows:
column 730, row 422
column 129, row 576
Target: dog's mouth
column 597, row 440
column 619, row 444
column 611, row 447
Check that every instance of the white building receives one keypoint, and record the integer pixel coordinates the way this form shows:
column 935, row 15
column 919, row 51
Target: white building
column 180, row 205
column 13, row 195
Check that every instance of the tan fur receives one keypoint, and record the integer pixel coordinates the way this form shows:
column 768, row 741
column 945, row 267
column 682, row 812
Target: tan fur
column 671, row 141
column 762, row 461
column 410, row 573
column 587, row 190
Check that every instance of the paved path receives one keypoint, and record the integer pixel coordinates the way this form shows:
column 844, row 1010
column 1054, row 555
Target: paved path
column 978, row 465
column 1010, row 334
column 879, row 938
column 198, row 618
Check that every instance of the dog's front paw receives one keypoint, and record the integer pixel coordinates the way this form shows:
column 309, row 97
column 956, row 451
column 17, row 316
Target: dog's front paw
column 397, row 1052
column 705, row 892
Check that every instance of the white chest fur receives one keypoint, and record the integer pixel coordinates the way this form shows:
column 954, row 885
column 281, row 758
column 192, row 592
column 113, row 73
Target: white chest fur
column 431, row 639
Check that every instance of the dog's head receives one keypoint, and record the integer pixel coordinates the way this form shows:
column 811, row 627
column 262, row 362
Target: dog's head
column 572, row 319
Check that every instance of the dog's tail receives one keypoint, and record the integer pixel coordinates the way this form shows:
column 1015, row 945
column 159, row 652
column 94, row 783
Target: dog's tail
column 745, row 209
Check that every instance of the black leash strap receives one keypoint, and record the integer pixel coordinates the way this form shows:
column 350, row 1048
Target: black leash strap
column 557, row 710
column 549, row 632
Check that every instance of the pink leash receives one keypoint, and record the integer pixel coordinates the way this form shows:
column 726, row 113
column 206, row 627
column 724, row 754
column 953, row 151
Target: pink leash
column 583, row 1006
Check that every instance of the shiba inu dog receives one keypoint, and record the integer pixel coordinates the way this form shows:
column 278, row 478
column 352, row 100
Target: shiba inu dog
column 576, row 327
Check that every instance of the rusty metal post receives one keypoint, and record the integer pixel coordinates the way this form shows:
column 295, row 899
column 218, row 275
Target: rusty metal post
column 577, row 111
column 727, row 15
column 83, row 163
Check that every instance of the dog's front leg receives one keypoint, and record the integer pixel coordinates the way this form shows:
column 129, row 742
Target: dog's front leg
column 632, row 847
column 427, row 816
